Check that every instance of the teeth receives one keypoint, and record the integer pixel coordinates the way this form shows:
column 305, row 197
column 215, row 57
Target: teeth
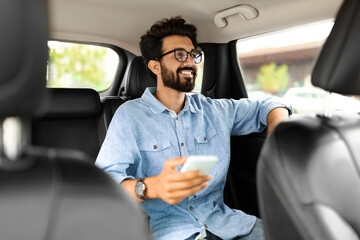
column 186, row 72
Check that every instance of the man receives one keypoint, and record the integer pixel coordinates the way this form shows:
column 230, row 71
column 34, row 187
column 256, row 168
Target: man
column 150, row 138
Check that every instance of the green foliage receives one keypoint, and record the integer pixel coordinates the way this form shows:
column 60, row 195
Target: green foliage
column 77, row 65
column 273, row 78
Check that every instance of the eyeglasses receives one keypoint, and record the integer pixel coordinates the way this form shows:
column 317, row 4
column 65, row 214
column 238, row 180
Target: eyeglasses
column 181, row 55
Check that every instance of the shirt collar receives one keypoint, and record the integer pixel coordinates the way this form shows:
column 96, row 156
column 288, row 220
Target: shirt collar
column 157, row 107
column 189, row 104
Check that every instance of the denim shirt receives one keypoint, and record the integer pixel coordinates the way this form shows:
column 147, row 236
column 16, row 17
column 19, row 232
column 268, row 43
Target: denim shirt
column 144, row 133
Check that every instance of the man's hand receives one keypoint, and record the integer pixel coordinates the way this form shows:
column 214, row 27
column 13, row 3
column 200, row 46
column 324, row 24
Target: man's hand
column 173, row 186
column 170, row 185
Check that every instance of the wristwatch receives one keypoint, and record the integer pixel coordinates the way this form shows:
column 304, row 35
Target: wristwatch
column 140, row 189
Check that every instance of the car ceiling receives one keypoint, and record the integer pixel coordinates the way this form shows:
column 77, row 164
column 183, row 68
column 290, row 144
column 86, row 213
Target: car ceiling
column 122, row 22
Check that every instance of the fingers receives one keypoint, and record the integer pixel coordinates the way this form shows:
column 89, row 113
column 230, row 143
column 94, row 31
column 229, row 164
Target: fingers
column 185, row 176
column 188, row 192
column 186, row 184
column 174, row 162
column 175, row 191
column 171, row 164
column 178, row 196
column 174, row 186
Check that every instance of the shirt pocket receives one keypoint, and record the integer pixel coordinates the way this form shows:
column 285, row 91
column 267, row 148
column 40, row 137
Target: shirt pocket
column 154, row 152
column 208, row 142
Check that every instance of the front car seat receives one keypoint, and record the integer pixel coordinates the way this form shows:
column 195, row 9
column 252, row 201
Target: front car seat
column 47, row 193
column 309, row 169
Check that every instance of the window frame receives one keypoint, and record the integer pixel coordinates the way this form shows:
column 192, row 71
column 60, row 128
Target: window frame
column 120, row 69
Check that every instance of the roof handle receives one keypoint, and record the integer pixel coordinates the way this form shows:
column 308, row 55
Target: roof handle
column 246, row 12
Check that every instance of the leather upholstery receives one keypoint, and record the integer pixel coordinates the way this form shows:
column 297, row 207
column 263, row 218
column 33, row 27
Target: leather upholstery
column 337, row 69
column 308, row 179
column 309, row 169
column 23, row 48
column 110, row 104
column 61, row 197
column 139, row 79
column 49, row 193
column 73, row 103
column 69, row 119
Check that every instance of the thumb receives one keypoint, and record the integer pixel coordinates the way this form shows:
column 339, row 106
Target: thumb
column 172, row 163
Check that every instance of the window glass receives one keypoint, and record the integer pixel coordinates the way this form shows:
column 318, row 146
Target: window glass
column 74, row 65
column 199, row 77
column 280, row 64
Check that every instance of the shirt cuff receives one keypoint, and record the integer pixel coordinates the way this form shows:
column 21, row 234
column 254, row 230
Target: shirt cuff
column 120, row 178
column 273, row 106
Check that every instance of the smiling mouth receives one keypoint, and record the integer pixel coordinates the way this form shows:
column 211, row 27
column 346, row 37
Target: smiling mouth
column 187, row 73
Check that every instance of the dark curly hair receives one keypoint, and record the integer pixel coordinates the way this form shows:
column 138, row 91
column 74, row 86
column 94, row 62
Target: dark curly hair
column 151, row 42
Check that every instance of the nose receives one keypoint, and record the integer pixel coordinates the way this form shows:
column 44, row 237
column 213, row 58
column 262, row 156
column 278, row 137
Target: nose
column 189, row 60
column 189, row 64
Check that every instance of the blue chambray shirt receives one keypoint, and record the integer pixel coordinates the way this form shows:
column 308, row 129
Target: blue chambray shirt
column 144, row 133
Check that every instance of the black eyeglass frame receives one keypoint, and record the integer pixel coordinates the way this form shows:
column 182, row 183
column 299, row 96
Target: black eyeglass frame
column 198, row 49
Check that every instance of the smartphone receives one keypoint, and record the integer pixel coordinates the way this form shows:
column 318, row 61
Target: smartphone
column 203, row 163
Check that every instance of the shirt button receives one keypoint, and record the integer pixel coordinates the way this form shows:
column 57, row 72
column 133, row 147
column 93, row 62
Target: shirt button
column 191, row 208
column 155, row 147
column 182, row 144
column 177, row 118
column 205, row 226
column 205, row 138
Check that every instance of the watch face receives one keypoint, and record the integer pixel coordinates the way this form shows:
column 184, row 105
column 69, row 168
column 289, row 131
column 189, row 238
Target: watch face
column 139, row 188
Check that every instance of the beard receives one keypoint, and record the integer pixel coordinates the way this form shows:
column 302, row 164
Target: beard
column 173, row 81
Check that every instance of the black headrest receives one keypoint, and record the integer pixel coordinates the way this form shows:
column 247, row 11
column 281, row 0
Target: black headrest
column 139, row 79
column 65, row 103
column 338, row 66
column 23, row 56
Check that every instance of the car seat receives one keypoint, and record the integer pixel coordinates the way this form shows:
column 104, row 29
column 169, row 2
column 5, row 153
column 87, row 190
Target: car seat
column 47, row 193
column 309, row 169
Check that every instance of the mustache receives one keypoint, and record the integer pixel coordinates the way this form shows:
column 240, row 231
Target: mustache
column 187, row 68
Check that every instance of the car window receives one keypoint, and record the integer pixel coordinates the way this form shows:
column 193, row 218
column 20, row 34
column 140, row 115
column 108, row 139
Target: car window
column 75, row 65
column 199, row 77
column 280, row 64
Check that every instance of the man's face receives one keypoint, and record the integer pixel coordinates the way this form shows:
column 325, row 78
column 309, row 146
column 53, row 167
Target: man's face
column 178, row 75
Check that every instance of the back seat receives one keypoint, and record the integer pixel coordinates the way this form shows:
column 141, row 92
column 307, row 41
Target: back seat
column 69, row 119
column 77, row 119
column 136, row 82
column 138, row 79
column 109, row 106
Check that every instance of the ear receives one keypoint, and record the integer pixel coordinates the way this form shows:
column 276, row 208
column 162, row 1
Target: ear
column 154, row 66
